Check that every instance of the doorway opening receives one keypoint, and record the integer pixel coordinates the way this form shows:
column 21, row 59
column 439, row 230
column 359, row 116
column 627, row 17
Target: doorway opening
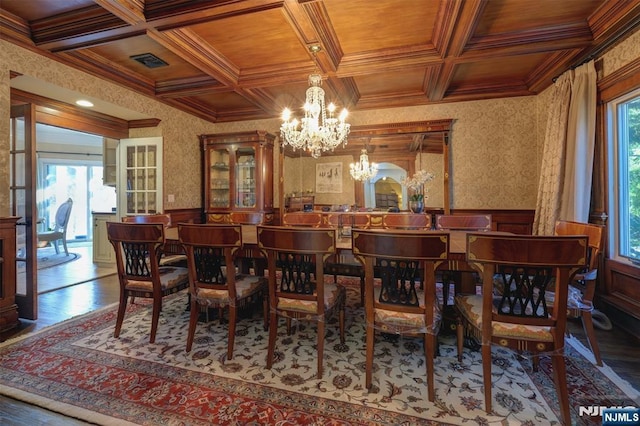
column 385, row 191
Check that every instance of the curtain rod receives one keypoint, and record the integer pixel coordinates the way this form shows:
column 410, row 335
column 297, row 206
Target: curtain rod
column 622, row 33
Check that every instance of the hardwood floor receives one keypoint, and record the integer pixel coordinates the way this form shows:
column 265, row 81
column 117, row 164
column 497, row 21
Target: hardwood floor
column 619, row 351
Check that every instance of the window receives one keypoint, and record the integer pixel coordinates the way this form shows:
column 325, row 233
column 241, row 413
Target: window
column 80, row 180
column 624, row 176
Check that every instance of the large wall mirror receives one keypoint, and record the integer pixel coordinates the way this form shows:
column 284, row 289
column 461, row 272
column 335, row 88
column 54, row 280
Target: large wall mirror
column 400, row 149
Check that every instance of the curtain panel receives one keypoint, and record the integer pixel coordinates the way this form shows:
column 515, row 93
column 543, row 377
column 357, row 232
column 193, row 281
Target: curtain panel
column 564, row 188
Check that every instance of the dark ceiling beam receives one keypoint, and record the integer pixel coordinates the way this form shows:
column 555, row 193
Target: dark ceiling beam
column 469, row 15
column 387, row 60
column 614, row 18
column 192, row 86
column 130, row 11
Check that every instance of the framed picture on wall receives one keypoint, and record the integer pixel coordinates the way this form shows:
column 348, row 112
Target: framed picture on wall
column 329, row 178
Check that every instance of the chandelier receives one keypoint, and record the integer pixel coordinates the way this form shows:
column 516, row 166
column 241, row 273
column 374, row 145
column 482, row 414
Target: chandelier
column 363, row 170
column 320, row 130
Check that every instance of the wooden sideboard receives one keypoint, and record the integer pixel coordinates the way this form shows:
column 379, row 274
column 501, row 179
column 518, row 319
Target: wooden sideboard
column 8, row 307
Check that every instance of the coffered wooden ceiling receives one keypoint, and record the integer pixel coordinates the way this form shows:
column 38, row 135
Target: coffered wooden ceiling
column 239, row 60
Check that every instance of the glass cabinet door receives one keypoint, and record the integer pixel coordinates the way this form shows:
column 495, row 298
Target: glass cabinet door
column 219, row 178
column 245, row 178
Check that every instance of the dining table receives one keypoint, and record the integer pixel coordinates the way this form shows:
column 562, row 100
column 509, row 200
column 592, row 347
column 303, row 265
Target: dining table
column 344, row 263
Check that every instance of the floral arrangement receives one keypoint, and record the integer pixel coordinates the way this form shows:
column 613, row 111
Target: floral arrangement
column 416, row 184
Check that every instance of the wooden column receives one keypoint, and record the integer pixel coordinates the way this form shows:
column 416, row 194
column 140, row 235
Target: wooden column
column 8, row 307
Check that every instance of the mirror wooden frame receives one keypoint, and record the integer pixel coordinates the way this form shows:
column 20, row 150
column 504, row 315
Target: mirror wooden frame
column 404, row 158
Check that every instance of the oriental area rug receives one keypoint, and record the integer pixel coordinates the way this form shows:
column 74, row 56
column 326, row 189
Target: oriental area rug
column 79, row 369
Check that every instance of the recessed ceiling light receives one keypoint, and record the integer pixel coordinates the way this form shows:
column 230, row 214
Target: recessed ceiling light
column 84, row 103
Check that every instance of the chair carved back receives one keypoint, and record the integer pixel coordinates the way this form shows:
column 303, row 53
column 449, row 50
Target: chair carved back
column 468, row 222
column 594, row 232
column 163, row 218
column 62, row 216
column 307, row 219
column 138, row 248
column 527, row 265
column 294, row 251
column 406, row 221
column 247, row 218
column 210, row 252
column 403, row 260
column 352, row 220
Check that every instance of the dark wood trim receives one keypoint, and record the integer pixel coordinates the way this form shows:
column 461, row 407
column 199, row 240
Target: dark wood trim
column 61, row 114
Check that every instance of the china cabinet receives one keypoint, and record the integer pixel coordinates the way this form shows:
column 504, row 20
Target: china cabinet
column 8, row 307
column 238, row 174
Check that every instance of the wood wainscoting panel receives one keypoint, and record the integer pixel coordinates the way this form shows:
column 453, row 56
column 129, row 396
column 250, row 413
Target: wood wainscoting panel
column 515, row 221
column 621, row 296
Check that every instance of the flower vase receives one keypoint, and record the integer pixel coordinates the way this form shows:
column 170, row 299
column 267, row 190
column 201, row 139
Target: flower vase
column 416, row 206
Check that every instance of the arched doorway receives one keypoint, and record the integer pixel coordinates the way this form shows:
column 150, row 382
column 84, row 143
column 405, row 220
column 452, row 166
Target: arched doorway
column 385, row 190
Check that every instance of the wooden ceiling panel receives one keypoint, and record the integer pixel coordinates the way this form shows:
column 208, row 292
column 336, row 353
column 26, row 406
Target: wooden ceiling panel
column 260, row 39
column 222, row 101
column 527, row 15
column 120, row 52
column 363, row 26
column 508, row 69
column 410, row 81
column 32, row 10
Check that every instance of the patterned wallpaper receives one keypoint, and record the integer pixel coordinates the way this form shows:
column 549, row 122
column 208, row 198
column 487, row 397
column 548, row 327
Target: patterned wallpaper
column 496, row 145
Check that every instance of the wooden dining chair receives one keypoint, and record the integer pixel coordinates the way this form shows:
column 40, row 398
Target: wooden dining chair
column 171, row 254
column 138, row 247
column 307, row 219
column 402, row 260
column 464, row 222
column 516, row 315
column 583, row 285
column 213, row 281
column 247, row 218
column 300, row 292
column 419, row 221
column 345, row 221
column 449, row 273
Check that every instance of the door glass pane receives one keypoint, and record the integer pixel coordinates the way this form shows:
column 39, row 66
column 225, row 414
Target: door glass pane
column 140, row 157
column 151, row 156
column 19, row 175
column 219, row 178
column 245, row 177
column 151, row 180
column 141, row 181
column 151, row 203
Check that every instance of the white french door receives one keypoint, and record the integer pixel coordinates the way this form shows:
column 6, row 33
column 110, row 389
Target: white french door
column 23, row 204
column 140, row 176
